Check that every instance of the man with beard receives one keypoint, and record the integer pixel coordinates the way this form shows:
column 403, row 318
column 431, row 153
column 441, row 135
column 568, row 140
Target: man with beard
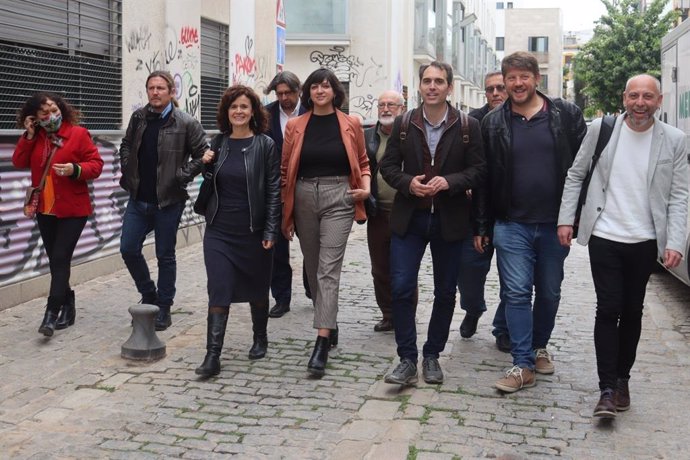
column 390, row 105
column 287, row 88
column 530, row 143
column 636, row 209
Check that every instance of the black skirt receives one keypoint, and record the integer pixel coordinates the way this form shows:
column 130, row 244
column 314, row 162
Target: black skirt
column 237, row 266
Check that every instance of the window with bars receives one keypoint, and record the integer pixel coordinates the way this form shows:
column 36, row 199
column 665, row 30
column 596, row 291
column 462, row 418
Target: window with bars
column 70, row 47
column 215, row 68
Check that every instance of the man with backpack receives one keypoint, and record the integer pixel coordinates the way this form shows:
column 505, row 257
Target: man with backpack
column 434, row 155
column 634, row 209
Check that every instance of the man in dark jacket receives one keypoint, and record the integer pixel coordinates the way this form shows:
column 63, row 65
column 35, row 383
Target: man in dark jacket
column 476, row 261
column 155, row 155
column 530, row 143
column 431, row 161
column 390, row 105
column 286, row 86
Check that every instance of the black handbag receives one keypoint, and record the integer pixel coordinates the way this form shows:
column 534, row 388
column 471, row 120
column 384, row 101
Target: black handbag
column 206, row 187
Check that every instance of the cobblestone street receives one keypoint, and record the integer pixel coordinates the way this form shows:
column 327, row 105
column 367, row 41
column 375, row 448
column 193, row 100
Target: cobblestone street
column 73, row 396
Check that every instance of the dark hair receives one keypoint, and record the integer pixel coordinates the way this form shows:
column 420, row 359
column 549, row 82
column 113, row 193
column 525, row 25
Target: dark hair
column 285, row 77
column 169, row 80
column 439, row 65
column 259, row 122
column 34, row 103
column 316, row 77
column 521, row 60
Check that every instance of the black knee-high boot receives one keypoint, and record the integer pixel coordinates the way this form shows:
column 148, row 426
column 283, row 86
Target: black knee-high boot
column 215, row 335
column 319, row 357
column 50, row 318
column 68, row 313
column 259, row 323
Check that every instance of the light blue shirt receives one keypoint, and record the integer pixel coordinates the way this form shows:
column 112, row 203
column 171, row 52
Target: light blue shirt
column 433, row 132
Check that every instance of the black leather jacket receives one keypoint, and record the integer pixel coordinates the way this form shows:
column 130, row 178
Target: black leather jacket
column 493, row 201
column 179, row 139
column 263, row 186
column 372, row 141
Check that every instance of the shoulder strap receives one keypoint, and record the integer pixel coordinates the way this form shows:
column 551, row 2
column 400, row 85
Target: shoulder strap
column 405, row 125
column 47, row 168
column 465, row 127
column 604, row 135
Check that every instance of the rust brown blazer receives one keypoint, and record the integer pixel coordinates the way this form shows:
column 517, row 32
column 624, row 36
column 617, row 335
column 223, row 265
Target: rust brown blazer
column 353, row 138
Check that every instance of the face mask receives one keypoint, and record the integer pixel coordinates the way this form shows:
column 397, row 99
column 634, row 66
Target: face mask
column 52, row 124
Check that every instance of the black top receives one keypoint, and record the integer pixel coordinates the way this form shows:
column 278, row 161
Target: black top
column 535, row 190
column 323, row 152
column 148, row 158
column 231, row 181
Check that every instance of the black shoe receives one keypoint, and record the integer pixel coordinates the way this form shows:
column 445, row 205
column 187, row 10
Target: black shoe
column 404, row 373
column 621, row 395
column 215, row 334
column 606, row 407
column 279, row 310
column 163, row 319
column 47, row 326
column 319, row 357
column 383, row 325
column 503, row 343
column 431, row 370
column 68, row 314
column 259, row 348
column 469, row 326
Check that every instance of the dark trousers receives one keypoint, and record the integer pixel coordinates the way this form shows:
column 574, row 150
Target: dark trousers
column 406, row 255
column 620, row 272
column 379, row 241
column 281, row 278
column 60, row 237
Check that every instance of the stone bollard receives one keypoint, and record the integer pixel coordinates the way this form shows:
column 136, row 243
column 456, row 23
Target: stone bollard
column 143, row 344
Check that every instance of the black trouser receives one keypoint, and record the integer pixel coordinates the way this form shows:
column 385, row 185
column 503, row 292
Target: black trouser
column 620, row 272
column 60, row 237
column 281, row 278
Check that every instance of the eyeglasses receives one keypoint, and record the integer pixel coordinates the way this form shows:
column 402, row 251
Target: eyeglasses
column 491, row 89
column 389, row 105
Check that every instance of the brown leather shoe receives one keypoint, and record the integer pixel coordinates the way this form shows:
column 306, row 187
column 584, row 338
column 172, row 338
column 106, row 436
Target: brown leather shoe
column 606, row 407
column 383, row 325
column 621, row 395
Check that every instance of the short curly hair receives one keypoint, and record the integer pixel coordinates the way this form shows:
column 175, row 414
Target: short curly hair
column 319, row 76
column 34, row 103
column 259, row 122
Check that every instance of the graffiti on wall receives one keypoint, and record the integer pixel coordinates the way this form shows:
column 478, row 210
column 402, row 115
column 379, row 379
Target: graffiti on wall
column 180, row 54
column 362, row 73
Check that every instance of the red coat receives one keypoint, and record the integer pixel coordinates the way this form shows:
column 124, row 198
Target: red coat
column 71, row 195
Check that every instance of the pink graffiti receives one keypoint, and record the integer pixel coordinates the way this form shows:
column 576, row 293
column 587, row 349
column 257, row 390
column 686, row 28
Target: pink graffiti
column 189, row 36
column 244, row 65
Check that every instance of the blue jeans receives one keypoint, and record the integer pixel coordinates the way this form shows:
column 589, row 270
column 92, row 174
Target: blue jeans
column 529, row 256
column 140, row 219
column 474, row 268
column 406, row 255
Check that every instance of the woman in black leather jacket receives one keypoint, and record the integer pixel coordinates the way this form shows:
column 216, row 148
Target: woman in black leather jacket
column 242, row 222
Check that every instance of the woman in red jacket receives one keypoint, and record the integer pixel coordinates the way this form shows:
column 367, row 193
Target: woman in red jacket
column 64, row 203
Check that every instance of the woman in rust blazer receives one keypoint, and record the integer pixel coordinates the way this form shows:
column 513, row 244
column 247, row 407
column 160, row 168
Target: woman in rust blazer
column 325, row 179
column 64, row 203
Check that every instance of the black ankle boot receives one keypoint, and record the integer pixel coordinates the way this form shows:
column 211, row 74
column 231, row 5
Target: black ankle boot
column 317, row 362
column 259, row 312
column 215, row 334
column 333, row 338
column 163, row 319
column 68, row 313
column 50, row 318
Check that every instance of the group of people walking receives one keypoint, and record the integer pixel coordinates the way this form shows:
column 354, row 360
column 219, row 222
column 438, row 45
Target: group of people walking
column 514, row 178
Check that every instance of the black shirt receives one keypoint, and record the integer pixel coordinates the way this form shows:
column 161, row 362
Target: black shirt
column 535, row 187
column 231, row 181
column 323, row 152
column 148, row 158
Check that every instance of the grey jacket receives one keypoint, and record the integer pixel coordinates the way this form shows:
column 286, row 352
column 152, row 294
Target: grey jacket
column 667, row 184
column 179, row 139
